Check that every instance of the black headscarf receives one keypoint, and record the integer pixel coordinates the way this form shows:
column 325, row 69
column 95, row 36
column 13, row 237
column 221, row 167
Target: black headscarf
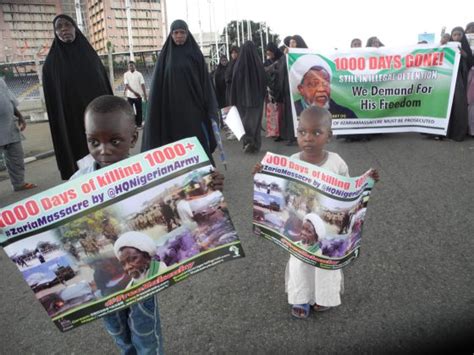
column 469, row 28
column 467, row 59
column 272, row 47
column 219, row 82
column 370, row 42
column 282, row 93
column 249, row 81
column 73, row 75
column 287, row 40
column 458, row 120
column 182, row 102
column 300, row 43
column 228, row 74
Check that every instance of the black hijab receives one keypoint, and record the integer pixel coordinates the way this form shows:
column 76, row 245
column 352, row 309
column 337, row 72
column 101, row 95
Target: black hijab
column 371, row 40
column 249, row 81
column 219, row 81
column 73, row 75
column 228, row 74
column 182, row 102
column 272, row 47
column 466, row 61
column 300, row 43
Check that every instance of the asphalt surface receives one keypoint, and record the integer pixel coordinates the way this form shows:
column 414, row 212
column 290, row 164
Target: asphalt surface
column 411, row 290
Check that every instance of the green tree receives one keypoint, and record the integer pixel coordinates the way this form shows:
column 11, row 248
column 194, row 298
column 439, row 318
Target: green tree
column 91, row 224
column 255, row 30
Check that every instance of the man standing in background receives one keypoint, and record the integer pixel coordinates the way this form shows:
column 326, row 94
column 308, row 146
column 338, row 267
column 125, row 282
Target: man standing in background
column 135, row 90
column 11, row 123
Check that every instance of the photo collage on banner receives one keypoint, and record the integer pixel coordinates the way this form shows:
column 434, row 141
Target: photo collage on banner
column 66, row 241
column 314, row 214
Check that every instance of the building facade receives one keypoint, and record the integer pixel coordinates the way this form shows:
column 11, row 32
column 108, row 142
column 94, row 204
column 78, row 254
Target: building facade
column 26, row 27
column 108, row 22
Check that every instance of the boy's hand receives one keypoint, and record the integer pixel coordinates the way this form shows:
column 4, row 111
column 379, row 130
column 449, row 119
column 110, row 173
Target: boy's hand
column 257, row 168
column 374, row 174
column 217, row 180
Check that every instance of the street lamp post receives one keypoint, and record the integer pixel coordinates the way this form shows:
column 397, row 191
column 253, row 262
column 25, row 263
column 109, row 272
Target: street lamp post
column 129, row 29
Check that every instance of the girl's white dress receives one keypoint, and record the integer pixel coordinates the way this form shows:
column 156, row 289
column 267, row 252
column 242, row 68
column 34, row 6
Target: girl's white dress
column 308, row 284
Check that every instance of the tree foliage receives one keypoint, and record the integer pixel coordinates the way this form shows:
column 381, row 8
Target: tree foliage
column 256, row 29
column 91, row 224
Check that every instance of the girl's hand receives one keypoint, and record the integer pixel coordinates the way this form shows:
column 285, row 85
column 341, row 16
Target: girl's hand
column 217, row 180
column 257, row 168
column 374, row 174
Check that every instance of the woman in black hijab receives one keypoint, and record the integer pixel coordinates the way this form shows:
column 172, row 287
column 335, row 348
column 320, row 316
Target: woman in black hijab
column 182, row 102
column 219, row 81
column 273, row 54
column 248, row 93
column 458, row 120
column 374, row 42
column 234, row 54
column 73, row 76
column 287, row 130
column 272, row 108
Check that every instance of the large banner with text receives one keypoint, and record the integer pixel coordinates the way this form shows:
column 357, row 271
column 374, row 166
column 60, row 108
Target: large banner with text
column 314, row 214
column 377, row 90
column 106, row 240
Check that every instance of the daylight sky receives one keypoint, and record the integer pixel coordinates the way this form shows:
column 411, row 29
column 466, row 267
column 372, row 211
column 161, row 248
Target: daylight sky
column 330, row 24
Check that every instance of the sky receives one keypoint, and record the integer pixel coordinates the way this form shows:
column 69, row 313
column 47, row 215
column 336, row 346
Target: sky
column 330, row 24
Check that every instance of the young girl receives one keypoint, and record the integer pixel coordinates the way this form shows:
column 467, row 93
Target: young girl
column 308, row 286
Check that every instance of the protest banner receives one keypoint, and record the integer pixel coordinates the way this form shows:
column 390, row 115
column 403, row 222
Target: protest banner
column 66, row 241
column 377, row 90
column 289, row 191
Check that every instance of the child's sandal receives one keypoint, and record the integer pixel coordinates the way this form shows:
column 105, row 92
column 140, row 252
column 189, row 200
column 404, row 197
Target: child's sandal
column 300, row 311
column 318, row 308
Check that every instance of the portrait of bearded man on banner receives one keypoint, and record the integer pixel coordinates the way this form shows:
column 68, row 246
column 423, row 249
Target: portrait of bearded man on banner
column 310, row 77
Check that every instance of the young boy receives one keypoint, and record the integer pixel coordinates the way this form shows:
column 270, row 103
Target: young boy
column 308, row 286
column 111, row 132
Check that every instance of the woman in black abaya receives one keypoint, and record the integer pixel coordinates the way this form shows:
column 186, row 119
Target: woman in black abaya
column 248, row 93
column 458, row 120
column 73, row 76
column 234, row 54
column 287, row 130
column 219, row 81
column 182, row 102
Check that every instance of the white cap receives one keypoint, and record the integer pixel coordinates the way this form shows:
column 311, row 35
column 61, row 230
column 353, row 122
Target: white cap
column 302, row 65
column 136, row 240
column 317, row 223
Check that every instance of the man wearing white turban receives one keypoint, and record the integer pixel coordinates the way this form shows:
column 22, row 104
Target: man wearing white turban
column 135, row 252
column 312, row 231
column 311, row 77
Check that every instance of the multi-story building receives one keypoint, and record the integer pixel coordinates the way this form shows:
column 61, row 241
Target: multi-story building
column 108, row 22
column 26, row 28
column 27, row 32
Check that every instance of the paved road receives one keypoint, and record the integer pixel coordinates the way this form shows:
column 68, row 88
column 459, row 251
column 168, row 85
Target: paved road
column 410, row 291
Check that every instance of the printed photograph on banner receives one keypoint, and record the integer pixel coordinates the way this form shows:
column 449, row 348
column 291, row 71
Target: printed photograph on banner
column 377, row 90
column 102, row 253
column 310, row 78
column 305, row 220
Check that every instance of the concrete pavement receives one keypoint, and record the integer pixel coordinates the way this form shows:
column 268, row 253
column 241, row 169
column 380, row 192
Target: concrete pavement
column 409, row 292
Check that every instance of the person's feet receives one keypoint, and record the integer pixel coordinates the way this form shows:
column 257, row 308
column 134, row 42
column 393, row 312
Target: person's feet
column 250, row 148
column 25, row 186
column 278, row 139
column 300, row 311
column 318, row 308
